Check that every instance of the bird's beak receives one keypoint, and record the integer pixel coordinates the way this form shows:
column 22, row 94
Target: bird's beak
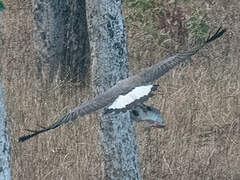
column 159, row 126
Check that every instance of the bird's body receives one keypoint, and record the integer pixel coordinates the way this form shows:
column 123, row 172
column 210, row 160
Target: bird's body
column 130, row 93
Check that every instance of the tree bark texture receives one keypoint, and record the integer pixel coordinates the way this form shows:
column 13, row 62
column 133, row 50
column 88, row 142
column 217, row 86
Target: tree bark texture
column 109, row 65
column 4, row 141
column 61, row 39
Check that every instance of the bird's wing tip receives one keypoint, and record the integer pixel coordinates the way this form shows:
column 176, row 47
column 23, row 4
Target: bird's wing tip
column 218, row 34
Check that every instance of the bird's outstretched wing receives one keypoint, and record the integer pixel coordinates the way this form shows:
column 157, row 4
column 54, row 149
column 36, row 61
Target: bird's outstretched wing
column 88, row 107
column 154, row 72
column 125, row 86
column 106, row 99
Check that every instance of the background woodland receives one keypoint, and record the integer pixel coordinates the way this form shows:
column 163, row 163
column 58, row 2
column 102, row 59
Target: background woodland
column 200, row 100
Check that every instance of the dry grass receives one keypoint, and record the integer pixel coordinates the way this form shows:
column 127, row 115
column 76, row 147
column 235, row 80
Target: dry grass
column 200, row 104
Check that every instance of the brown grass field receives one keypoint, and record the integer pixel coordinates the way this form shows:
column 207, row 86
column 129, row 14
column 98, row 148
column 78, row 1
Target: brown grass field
column 200, row 103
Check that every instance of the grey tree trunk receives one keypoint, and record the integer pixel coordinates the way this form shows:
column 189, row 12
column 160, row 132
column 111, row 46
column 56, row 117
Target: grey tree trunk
column 4, row 141
column 109, row 65
column 61, row 39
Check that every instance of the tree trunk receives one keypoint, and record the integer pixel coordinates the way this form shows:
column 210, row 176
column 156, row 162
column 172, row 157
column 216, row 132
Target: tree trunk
column 4, row 142
column 109, row 65
column 61, row 39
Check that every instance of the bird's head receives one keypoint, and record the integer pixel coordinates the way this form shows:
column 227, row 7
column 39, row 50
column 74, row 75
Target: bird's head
column 148, row 114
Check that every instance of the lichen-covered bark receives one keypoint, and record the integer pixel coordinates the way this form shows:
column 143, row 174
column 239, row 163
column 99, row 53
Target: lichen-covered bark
column 4, row 142
column 61, row 39
column 109, row 65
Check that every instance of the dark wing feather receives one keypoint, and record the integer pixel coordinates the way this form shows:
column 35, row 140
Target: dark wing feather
column 63, row 120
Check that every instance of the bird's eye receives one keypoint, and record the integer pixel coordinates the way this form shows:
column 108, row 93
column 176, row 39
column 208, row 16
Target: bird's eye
column 135, row 113
column 149, row 108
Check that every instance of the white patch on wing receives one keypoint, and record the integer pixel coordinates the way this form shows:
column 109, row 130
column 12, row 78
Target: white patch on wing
column 123, row 100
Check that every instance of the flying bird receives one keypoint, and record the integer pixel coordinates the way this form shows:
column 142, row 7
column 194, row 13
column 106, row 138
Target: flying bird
column 130, row 93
